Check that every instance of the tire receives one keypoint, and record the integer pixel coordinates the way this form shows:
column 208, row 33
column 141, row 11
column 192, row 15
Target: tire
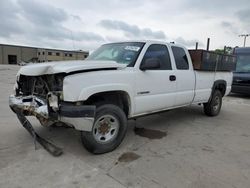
column 108, row 131
column 213, row 107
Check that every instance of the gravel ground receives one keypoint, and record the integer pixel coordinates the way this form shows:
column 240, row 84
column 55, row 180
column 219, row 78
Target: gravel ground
column 181, row 148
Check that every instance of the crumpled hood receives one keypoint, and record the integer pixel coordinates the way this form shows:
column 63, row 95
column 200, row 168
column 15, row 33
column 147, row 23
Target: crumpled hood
column 66, row 67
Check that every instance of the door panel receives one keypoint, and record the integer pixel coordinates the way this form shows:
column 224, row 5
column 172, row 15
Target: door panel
column 154, row 91
column 185, row 77
column 185, row 80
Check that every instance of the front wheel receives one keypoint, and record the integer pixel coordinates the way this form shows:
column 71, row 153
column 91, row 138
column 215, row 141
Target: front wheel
column 213, row 107
column 108, row 131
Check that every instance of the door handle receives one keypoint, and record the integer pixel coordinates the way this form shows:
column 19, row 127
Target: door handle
column 172, row 77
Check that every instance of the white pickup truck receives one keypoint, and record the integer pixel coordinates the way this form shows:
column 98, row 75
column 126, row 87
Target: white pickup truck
column 117, row 82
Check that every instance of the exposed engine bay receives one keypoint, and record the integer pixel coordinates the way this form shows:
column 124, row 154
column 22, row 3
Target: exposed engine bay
column 31, row 99
column 39, row 85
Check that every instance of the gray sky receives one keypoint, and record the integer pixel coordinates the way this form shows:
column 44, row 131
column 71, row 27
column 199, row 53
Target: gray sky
column 85, row 24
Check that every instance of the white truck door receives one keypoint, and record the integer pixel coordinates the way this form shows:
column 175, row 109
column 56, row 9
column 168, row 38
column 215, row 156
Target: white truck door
column 156, row 86
column 185, row 76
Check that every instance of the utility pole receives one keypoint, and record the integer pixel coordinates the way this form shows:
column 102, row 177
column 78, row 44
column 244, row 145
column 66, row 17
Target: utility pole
column 208, row 43
column 245, row 38
column 196, row 45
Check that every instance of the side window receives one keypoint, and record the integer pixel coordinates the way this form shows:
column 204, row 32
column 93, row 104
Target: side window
column 161, row 53
column 180, row 58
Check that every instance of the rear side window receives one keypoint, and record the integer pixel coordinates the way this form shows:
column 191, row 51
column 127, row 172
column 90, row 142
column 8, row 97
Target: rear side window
column 161, row 53
column 180, row 58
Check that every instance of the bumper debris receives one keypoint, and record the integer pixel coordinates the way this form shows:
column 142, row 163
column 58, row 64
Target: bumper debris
column 51, row 148
column 33, row 106
column 79, row 117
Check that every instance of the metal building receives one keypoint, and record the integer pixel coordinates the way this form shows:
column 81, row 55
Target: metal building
column 14, row 54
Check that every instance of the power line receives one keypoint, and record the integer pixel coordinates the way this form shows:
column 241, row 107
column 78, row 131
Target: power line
column 245, row 38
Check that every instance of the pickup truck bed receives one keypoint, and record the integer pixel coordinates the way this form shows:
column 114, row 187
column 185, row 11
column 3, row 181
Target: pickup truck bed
column 205, row 81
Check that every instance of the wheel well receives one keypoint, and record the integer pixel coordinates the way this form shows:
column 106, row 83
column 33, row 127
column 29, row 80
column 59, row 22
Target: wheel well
column 221, row 86
column 119, row 98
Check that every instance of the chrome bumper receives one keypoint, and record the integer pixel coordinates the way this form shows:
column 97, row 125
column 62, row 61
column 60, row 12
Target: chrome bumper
column 79, row 117
column 29, row 105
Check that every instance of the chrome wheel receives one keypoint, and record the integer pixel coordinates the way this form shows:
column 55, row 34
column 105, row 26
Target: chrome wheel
column 216, row 105
column 105, row 129
column 108, row 131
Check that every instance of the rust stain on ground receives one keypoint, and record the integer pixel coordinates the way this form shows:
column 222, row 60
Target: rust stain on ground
column 128, row 157
column 150, row 133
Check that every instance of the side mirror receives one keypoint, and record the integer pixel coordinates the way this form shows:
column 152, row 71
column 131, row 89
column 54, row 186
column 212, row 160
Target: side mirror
column 150, row 64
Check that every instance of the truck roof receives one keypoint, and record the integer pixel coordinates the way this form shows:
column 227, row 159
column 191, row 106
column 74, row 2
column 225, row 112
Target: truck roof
column 150, row 41
column 242, row 50
column 145, row 41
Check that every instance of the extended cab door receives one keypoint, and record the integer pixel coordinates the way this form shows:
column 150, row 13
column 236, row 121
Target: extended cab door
column 155, row 87
column 185, row 76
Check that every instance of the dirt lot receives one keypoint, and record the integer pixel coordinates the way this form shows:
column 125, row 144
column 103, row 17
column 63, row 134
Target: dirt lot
column 184, row 149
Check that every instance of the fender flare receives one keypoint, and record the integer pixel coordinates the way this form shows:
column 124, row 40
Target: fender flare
column 215, row 85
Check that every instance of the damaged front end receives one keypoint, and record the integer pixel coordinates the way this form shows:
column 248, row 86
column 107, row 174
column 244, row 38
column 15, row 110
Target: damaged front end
column 42, row 97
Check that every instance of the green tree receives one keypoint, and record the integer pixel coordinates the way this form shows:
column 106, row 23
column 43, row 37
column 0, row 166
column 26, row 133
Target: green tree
column 227, row 50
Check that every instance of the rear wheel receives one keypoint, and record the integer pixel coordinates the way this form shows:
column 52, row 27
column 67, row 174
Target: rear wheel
column 108, row 131
column 213, row 107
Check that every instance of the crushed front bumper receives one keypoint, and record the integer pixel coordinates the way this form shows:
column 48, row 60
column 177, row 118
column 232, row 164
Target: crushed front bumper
column 81, row 117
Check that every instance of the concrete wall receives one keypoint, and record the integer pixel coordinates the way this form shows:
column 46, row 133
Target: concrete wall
column 41, row 54
column 29, row 54
column 51, row 55
column 21, row 53
column 11, row 50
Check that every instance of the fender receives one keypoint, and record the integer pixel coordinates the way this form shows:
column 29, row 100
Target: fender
column 216, row 85
column 89, row 91
column 219, row 82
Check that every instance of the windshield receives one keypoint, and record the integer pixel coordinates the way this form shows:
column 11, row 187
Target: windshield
column 243, row 63
column 124, row 53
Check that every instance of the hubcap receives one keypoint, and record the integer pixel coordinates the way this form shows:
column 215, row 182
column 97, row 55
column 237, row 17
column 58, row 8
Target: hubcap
column 216, row 103
column 106, row 128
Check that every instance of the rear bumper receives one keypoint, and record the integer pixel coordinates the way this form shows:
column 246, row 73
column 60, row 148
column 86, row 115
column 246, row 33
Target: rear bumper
column 241, row 89
column 80, row 117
